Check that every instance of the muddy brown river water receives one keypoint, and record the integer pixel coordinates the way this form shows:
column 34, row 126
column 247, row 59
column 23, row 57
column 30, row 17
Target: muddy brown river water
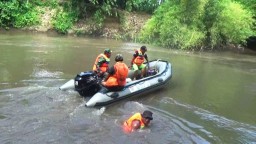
column 211, row 97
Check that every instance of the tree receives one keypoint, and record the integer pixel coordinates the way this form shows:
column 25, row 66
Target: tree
column 199, row 24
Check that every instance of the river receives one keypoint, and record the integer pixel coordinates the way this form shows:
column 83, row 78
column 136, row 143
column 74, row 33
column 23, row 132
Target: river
column 211, row 97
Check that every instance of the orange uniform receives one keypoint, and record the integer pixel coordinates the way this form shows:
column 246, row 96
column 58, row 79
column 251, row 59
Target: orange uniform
column 139, row 59
column 119, row 77
column 127, row 126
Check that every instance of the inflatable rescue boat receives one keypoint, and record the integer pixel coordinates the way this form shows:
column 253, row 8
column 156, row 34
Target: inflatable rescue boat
column 88, row 84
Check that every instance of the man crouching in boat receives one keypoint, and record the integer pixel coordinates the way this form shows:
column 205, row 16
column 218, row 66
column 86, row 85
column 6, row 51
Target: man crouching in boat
column 137, row 62
column 101, row 63
column 137, row 121
column 117, row 74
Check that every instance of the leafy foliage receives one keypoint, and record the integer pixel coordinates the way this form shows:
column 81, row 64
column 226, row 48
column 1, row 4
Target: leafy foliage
column 7, row 13
column 62, row 21
column 250, row 4
column 141, row 5
column 202, row 23
column 172, row 27
column 232, row 25
column 17, row 14
column 21, row 13
column 183, row 24
column 27, row 16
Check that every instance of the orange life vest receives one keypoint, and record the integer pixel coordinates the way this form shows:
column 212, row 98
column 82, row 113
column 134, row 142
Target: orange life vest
column 139, row 59
column 104, row 66
column 127, row 126
column 119, row 78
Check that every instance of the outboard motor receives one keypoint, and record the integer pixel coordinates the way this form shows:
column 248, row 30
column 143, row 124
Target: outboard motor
column 87, row 83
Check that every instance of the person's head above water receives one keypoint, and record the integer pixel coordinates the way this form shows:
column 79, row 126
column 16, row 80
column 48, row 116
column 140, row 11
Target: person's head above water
column 147, row 117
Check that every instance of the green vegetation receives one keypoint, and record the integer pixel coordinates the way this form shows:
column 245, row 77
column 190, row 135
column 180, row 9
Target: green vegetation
column 199, row 24
column 64, row 18
column 17, row 14
column 249, row 4
column 182, row 24
column 22, row 13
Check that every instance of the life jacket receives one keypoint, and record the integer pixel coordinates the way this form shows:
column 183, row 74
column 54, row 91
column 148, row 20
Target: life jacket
column 139, row 59
column 103, row 67
column 127, row 126
column 119, row 78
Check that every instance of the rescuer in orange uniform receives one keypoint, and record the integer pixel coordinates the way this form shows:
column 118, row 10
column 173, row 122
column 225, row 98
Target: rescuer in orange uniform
column 137, row 121
column 101, row 63
column 137, row 62
column 117, row 74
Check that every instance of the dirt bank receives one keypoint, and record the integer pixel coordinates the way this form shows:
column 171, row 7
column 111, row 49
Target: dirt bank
column 124, row 26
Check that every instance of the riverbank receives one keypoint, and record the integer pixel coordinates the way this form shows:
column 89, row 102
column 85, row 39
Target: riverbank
column 125, row 26
column 170, row 26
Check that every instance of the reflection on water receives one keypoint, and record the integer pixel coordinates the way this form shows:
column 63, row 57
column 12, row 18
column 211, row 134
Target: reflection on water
column 210, row 99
